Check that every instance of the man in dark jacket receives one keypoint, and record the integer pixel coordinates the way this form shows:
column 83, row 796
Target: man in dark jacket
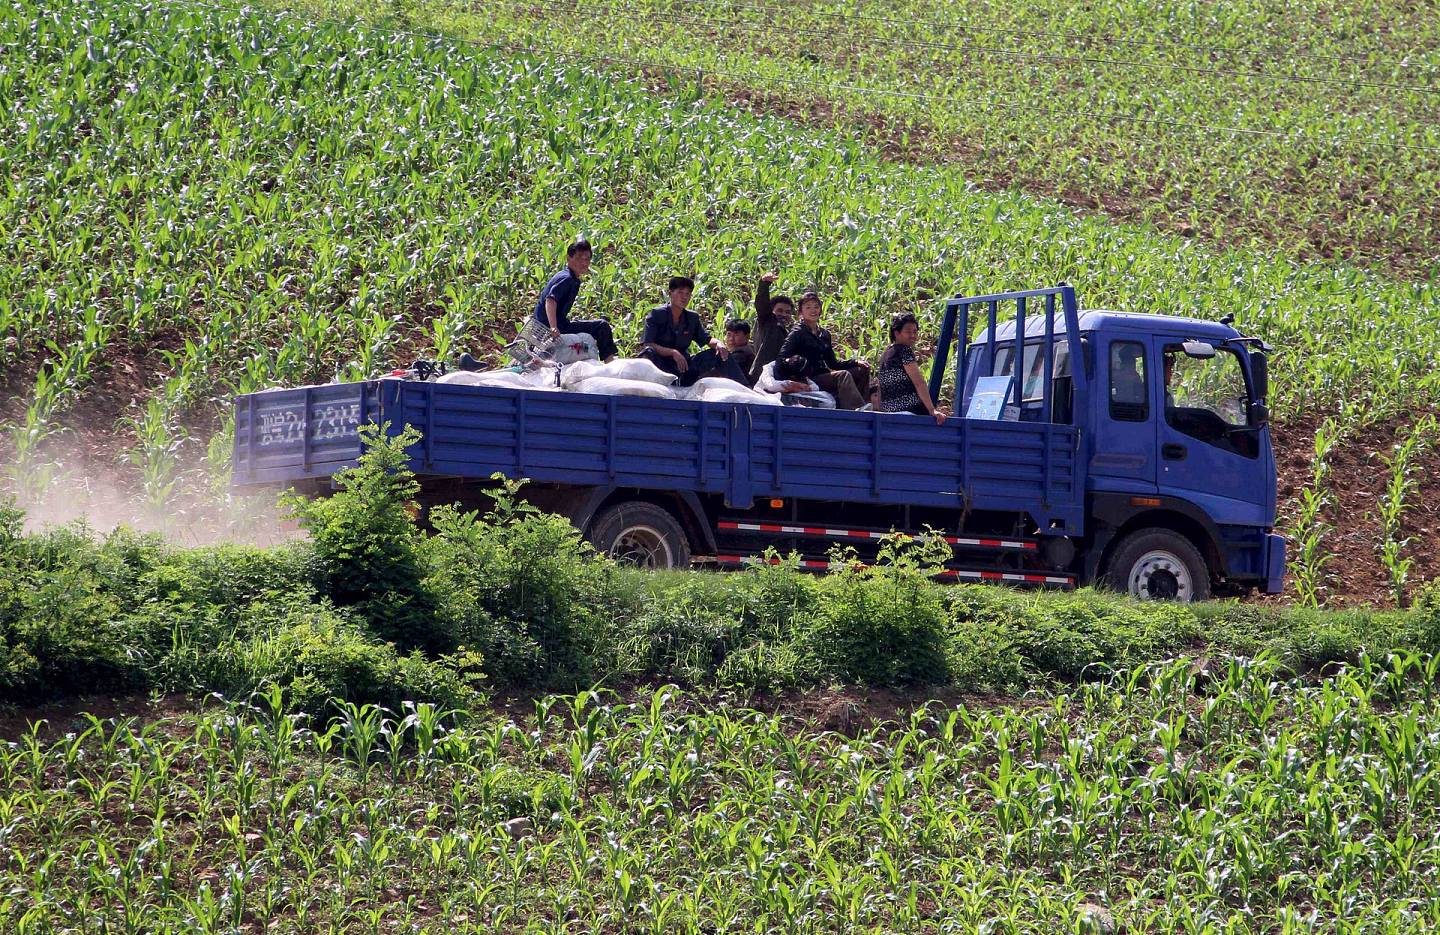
column 773, row 318
column 552, row 309
column 672, row 328
column 737, row 342
column 848, row 381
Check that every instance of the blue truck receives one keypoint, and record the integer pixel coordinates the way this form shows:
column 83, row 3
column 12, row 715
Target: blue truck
column 1130, row 451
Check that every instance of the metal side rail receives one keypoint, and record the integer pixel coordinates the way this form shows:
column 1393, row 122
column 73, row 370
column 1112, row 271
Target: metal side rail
column 949, row 573
column 870, row 535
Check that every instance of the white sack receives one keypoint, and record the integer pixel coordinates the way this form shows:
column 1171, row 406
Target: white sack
column 638, row 368
column 493, row 378
column 609, row 386
column 573, row 374
column 569, row 348
column 725, row 390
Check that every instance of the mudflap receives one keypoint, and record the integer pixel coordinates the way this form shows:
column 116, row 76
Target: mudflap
column 1274, row 564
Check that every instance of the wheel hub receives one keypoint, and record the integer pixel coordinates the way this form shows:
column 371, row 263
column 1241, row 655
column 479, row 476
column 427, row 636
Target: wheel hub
column 1161, row 576
column 643, row 547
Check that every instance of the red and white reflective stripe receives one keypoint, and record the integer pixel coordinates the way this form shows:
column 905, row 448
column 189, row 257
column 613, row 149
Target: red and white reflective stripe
column 1008, row 576
column 962, row 573
column 782, row 529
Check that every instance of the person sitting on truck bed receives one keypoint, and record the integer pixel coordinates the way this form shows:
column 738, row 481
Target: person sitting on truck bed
column 774, row 316
column 786, row 378
column 848, row 381
column 737, row 342
column 901, row 387
column 672, row 328
column 552, row 309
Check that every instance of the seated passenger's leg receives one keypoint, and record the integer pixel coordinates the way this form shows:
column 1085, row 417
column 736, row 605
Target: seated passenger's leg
column 841, row 385
column 707, row 363
column 660, row 360
column 600, row 331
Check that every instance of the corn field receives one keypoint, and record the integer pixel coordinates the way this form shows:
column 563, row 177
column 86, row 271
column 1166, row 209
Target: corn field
column 202, row 201
column 1218, row 798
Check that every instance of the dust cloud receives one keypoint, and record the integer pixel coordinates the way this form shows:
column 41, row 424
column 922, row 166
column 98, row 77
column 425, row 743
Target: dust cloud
column 194, row 512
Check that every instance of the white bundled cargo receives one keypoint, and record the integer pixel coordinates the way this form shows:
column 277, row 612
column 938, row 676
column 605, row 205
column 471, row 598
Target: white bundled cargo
column 534, row 380
column 625, row 368
column 610, row 386
column 637, row 368
column 725, row 390
column 572, row 375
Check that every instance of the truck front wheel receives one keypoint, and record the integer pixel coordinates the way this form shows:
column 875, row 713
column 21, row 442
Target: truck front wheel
column 1159, row 565
column 640, row 534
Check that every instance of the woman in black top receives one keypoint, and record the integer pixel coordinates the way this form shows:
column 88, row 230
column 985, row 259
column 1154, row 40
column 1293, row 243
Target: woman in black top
column 847, row 380
column 902, row 388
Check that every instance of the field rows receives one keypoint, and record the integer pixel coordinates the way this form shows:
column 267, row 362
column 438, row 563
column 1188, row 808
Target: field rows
column 340, row 197
column 1302, row 127
column 1257, row 805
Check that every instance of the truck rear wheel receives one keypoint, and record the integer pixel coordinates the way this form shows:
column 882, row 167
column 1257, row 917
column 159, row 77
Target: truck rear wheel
column 640, row 534
column 1159, row 565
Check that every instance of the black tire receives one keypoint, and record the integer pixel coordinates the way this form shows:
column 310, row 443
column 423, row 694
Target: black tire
column 640, row 534
column 1158, row 565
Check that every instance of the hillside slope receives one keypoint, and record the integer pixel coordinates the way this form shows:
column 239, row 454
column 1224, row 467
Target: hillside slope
column 204, row 201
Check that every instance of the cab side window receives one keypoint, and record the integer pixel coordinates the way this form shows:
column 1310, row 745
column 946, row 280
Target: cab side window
column 1129, row 392
column 1206, row 398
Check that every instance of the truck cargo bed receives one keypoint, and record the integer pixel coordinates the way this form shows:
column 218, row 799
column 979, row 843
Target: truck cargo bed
column 737, row 451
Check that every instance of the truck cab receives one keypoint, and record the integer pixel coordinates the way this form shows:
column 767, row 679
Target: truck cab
column 1180, row 480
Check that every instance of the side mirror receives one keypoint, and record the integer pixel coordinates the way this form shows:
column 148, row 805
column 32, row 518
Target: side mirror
column 1198, row 349
column 1260, row 372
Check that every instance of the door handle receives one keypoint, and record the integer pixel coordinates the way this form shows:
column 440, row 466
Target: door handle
column 1172, row 452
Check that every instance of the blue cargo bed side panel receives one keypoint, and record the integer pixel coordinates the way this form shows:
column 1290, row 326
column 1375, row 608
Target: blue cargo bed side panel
column 737, row 451
column 289, row 435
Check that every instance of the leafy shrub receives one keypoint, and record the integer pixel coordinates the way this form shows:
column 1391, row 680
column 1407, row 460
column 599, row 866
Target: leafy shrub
column 882, row 624
column 368, row 548
column 1066, row 634
column 230, row 577
column 318, row 653
column 63, row 626
column 520, row 586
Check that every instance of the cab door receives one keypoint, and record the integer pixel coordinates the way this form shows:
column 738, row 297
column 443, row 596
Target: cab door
column 1208, row 453
column 1124, row 456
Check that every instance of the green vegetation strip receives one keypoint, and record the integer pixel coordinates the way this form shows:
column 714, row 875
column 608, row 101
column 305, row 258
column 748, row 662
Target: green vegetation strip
column 371, row 610
column 1287, row 792
column 1166, row 799
column 232, row 201
column 1313, row 128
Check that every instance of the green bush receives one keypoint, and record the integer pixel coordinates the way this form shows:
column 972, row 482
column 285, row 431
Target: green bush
column 318, row 653
column 63, row 600
column 883, row 623
column 368, row 548
column 520, row 586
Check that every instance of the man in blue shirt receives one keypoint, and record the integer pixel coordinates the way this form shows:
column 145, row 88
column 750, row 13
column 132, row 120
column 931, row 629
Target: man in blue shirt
column 672, row 328
column 552, row 309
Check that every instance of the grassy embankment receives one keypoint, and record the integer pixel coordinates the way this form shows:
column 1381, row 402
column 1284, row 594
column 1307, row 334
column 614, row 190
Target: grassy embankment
column 340, row 198
column 371, row 610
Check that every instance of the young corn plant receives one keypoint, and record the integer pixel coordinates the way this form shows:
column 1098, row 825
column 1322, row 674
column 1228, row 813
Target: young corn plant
column 1394, row 503
column 1309, row 528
